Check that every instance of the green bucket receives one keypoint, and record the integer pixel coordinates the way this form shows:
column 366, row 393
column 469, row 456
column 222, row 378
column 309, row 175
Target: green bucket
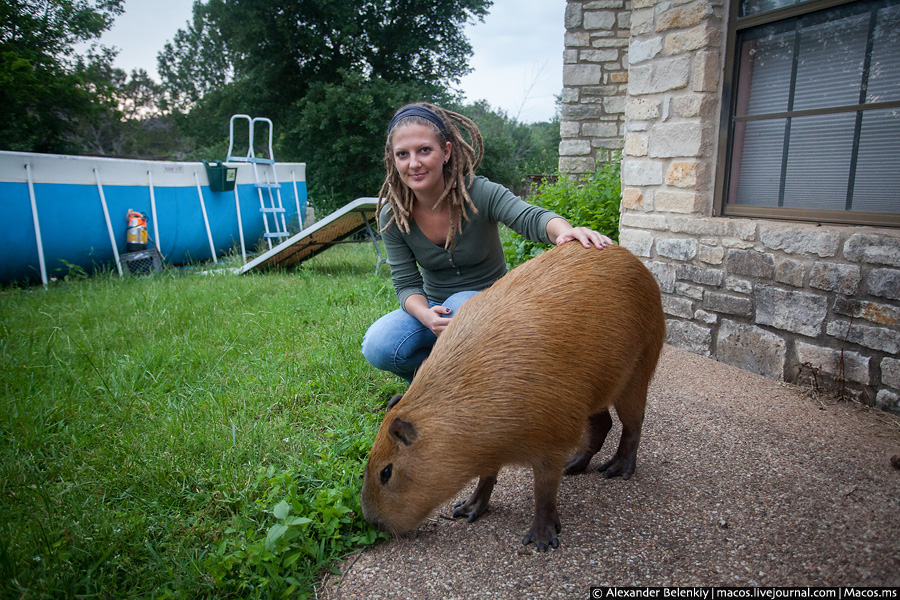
column 221, row 177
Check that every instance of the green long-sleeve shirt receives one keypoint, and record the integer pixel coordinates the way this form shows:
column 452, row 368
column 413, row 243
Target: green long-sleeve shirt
column 419, row 266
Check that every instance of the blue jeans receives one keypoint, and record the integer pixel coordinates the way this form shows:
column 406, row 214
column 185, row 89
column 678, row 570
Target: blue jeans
column 399, row 343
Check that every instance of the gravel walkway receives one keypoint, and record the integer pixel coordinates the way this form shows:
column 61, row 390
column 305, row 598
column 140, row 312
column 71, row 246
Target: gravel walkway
column 741, row 481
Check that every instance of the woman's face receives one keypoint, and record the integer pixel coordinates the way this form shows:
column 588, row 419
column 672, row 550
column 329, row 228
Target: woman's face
column 419, row 157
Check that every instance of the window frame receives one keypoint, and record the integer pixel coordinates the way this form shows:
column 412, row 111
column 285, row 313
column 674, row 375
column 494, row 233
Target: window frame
column 726, row 126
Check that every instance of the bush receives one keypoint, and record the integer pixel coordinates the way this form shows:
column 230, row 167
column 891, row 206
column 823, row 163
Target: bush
column 590, row 202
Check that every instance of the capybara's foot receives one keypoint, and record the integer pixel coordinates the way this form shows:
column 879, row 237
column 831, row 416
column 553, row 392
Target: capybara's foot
column 477, row 503
column 544, row 534
column 618, row 465
column 579, row 463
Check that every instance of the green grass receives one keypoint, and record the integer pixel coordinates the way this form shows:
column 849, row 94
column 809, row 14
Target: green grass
column 187, row 436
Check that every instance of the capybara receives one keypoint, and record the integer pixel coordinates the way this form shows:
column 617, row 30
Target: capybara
column 524, row 374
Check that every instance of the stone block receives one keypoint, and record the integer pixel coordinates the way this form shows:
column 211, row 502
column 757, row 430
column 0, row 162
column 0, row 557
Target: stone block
column 639, row 52
column 875, row 312
column 695, row 292
column 682, row 17
column 890, row 372
column 834, row 277
column 581, row 112
column 633, row 220
column 706, row 317
column 620, row 77
column 711, row 255
column 751, row 348
column 693, row 105
column 793, row 311
column 641, row 21
column 640, row 172
column 887, row 400
column 799, row 240
column 743, row 229
column 678, row 202
column 643, row 109
column 577, row 39
column 852, row 366
column 677, row 248
column 686, row 174
column 574, row 148
column 874, row 249
column 751, row 263
column 689, row 336
column 639, row 242
column 600, row 56
column 599, row 19
column 876, row 338
column 699, row 226
column 659, row 76
column 706, row 71
column 675, row 140
column 576, row 165
column 790, row 272
column 664, row 273
column 568, row 129
column 573, row 16
column 632, row 199
column 884, row 283
column 701, row 275
column 636, row 144
column 736, row 284
column 718, row 302
column 677, row 306
column 600, row 130
column 702, row 36
column 574, row 75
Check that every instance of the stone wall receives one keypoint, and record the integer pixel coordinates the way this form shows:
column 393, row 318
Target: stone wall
column 595, row 77
column 789, row 300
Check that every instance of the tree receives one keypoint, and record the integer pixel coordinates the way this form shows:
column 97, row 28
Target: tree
column 269, row 53
column 44, row 86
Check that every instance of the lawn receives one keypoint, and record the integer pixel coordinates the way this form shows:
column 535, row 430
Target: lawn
column 186, row 435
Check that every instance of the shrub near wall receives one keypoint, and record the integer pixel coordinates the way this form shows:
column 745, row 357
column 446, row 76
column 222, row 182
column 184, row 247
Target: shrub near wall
column 590, row 202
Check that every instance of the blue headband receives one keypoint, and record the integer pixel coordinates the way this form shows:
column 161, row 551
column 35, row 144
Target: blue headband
column 414, row 110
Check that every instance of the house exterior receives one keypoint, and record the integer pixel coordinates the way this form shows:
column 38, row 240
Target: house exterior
column 760, row 146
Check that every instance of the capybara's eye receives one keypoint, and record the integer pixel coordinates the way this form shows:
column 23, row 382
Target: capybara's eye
column 386, row 473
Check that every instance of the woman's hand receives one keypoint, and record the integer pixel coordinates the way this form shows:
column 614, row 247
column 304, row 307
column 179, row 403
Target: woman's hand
column 561, row 232
column 435, row 318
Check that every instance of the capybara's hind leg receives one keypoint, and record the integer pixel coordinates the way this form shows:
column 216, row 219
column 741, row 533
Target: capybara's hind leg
column 477, row 503
column 599, row 425
column 545, row 527
column 630, row 410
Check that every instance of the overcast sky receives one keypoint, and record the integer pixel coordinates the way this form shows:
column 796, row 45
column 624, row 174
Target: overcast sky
column 517, row 61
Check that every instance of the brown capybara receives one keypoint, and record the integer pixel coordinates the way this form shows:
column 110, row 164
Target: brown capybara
column 524, row 374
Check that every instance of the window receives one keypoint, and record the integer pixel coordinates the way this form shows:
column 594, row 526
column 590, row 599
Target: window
column 813, row 112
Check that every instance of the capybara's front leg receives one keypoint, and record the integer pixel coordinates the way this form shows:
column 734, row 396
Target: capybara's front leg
column 477, row 503
column 599, row 425
column 545, row 526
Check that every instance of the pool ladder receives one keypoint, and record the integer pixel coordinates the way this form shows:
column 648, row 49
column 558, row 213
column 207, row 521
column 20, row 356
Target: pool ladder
column 269, row 183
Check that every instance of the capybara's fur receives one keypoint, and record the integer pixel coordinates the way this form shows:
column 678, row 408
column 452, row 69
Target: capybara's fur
column 524, row 374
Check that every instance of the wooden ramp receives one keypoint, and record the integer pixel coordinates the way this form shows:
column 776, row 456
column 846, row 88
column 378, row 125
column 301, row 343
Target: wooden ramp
column 355, row 217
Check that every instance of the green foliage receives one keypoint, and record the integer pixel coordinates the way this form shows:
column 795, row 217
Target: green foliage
column 44, row 88
column 184, row 436
column 512, row 150
column 592, row 201
column 270, row 53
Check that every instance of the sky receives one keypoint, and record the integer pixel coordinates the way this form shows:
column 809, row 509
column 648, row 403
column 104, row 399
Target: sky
column 517, row 58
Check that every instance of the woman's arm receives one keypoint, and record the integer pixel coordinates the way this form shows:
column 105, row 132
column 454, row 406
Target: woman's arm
column 560, row 232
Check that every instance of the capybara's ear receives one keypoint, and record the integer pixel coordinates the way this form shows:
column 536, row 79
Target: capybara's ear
column 394, row 400
column 403, row 431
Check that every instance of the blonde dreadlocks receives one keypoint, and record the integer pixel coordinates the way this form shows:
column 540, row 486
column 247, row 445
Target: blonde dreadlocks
column 458, row 172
